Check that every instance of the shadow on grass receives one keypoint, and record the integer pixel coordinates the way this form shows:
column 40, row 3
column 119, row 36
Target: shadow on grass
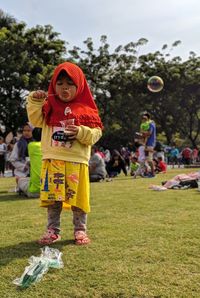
column 117, row 179
column 26, row 249
column 13, row 197
column 3, row 191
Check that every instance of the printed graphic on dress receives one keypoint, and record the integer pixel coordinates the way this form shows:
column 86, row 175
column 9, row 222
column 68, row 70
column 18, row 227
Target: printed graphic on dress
column 73, row 177
column 58, row 180
column 60, row 143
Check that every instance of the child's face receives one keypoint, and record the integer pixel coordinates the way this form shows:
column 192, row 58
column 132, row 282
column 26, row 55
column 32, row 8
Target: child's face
column 27, row 132
column 65, row 89
column 144, row 119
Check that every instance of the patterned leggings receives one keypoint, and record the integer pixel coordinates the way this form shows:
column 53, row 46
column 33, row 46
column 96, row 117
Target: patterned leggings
column 54, row 212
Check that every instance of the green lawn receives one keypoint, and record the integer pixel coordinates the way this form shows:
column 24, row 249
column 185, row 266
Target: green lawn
column 144, row 243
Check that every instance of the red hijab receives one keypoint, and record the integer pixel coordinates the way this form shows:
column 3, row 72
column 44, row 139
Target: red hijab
column 82, row 108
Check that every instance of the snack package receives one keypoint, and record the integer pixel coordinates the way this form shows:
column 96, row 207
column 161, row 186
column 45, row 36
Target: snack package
column 49, row 258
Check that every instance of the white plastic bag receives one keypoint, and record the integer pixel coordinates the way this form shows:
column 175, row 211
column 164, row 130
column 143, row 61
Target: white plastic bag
column 49, row 258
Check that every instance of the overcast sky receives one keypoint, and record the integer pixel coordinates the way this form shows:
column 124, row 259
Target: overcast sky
column 159, row 21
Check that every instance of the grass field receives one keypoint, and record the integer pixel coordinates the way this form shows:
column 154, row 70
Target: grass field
column 144, row 243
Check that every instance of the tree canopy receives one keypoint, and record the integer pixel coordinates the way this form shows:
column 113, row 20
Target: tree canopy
column 118, row 80
column 27, row 59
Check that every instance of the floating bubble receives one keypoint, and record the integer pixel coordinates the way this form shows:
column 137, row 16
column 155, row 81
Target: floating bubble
column 155, row 84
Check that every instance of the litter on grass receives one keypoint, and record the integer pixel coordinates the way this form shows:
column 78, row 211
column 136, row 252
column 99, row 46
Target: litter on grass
column 49, row 258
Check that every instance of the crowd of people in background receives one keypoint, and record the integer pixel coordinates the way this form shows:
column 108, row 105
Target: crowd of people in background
column 104, row 164
column 145, row 159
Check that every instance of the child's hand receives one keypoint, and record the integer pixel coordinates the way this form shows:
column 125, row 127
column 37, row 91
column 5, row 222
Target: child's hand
column 39, row 95
column 71, row 131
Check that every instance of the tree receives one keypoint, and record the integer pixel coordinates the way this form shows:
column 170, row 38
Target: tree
column 118, row 81
column 176, row 108
column 27, row 58
column 110, row 75
column 189, row 123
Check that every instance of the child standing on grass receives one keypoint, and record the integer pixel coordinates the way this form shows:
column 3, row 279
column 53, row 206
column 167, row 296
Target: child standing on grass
column 69, row 107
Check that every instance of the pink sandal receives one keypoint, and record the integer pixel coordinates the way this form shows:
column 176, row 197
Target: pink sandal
column 81, row 238
column 49, row 237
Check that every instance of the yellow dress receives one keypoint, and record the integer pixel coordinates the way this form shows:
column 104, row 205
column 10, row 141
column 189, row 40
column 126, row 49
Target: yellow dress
column 64, row 175
column 65, row 181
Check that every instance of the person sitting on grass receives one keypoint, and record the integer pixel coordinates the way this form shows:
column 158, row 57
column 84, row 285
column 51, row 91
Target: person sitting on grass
column 19, row 156
column 134, row 165
column 116, row 165
column 161, row 166
column 30, row 186
column 97, row 169
column 143, row 169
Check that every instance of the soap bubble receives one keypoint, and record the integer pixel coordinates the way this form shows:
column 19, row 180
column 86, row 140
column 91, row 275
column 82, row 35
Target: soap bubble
column 155, row 84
